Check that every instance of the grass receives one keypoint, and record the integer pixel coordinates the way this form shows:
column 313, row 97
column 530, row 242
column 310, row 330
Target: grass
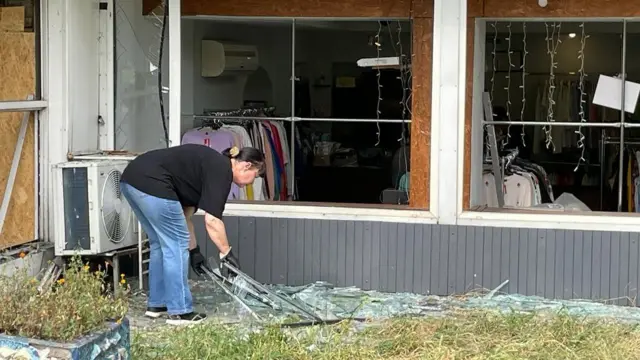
column 466, row 335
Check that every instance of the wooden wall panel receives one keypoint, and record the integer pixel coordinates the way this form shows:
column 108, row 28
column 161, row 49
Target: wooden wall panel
column 290, row 8
column 468, row 113
column 421, row 62
column 475, row 8
column 422, row 9
column 562, row 8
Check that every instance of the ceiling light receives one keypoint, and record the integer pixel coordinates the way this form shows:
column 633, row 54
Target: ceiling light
column 572, row 35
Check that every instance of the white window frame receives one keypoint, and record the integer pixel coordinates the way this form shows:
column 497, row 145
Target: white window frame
column 38, row 108
column 544, row 220
column 286, row 209
column 106, row 130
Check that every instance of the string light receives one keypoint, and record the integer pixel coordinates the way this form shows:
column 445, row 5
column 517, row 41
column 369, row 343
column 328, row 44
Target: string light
column 552, row 49
column 405, row 70
column 378, row 75
column 581, row 113
column 493, row 81
column 523, row 68
column 405, row 75
column 505, row 142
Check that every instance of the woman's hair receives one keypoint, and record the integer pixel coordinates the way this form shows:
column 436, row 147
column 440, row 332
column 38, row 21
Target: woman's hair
column 249, row 154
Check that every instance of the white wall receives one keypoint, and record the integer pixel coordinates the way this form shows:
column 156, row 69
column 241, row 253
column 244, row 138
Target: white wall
column 274, row 49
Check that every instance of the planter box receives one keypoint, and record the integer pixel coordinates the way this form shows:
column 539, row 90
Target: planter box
column 113, row 343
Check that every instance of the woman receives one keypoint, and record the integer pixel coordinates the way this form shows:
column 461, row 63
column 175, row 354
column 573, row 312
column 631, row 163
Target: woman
column 161, row 186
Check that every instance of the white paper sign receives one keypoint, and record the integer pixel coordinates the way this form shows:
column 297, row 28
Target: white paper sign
column 609, row 93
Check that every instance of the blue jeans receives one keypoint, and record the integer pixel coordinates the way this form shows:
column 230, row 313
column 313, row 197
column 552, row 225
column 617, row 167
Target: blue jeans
column 164, row 222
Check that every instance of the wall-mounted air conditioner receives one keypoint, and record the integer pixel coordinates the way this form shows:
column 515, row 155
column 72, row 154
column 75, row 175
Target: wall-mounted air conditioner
column 91, row 215
column 225, row 58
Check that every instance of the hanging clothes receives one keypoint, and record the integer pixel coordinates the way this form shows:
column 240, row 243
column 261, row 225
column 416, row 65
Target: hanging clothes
column 268, row 136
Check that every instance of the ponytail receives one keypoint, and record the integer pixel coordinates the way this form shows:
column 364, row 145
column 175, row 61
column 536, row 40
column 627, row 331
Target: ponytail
column 231, row 152
column 249, row 154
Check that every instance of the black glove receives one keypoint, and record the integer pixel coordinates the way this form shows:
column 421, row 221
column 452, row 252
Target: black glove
column 198, row 261
column 231, row 260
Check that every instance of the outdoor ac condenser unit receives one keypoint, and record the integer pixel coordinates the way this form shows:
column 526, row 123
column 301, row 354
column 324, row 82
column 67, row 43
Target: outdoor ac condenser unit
column 223, row 58
column 91, row 215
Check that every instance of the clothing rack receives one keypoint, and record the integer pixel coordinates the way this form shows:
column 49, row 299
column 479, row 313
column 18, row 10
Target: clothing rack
column 217, row 118
column 241, row 114
column 609, row 140
column 244, row 112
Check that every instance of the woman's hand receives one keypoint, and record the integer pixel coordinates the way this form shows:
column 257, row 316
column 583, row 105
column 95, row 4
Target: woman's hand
column 230, row 259
column 197, row 260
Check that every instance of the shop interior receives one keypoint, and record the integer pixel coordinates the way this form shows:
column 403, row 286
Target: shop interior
column 546, row 72
column 244, row 79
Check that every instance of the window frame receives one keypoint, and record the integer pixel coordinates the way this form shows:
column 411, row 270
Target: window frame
column 284, row 208
column 521, row 218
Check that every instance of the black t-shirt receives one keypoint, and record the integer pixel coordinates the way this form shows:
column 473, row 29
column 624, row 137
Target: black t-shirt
column 195, row 175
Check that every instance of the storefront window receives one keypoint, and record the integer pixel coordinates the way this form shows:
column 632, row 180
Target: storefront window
column 329, row 102
column 555, row 138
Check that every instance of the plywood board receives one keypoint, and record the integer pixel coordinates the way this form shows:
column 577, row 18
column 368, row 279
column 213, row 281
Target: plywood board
column 289, row 8
column 17, row 65
column 17, row 76
column 421, row 62
column 12, row 18
column 562, row 8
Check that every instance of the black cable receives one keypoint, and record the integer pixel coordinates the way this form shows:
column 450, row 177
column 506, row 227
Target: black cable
column 164, row 120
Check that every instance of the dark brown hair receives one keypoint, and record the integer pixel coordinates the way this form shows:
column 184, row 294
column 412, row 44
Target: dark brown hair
column 249, row 154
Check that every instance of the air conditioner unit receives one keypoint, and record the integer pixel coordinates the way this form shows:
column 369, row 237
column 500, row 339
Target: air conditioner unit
column 223, row 58
column 91, row 215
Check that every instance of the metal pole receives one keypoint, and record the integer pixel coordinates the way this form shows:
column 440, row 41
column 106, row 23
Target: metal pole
column 398, row 121
column 140, row 257
column 257, row 118
column 622, row 112
column 545, row 123
column 602, row 144
column 292, row 160
column 105, row 157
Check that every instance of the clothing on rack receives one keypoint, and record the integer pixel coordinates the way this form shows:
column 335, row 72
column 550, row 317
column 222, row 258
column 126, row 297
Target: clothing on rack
column 266, row 135
column 630, row 175
column 525, row 185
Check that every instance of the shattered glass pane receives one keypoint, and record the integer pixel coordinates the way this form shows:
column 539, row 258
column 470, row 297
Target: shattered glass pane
column 331, row 302
column 138, row 119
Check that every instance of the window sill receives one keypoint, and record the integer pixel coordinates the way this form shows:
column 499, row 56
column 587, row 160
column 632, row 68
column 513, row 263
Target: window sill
column 590, row 221
column 326, row 211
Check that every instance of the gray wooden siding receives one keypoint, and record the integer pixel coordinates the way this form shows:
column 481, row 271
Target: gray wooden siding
column 435, row 259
